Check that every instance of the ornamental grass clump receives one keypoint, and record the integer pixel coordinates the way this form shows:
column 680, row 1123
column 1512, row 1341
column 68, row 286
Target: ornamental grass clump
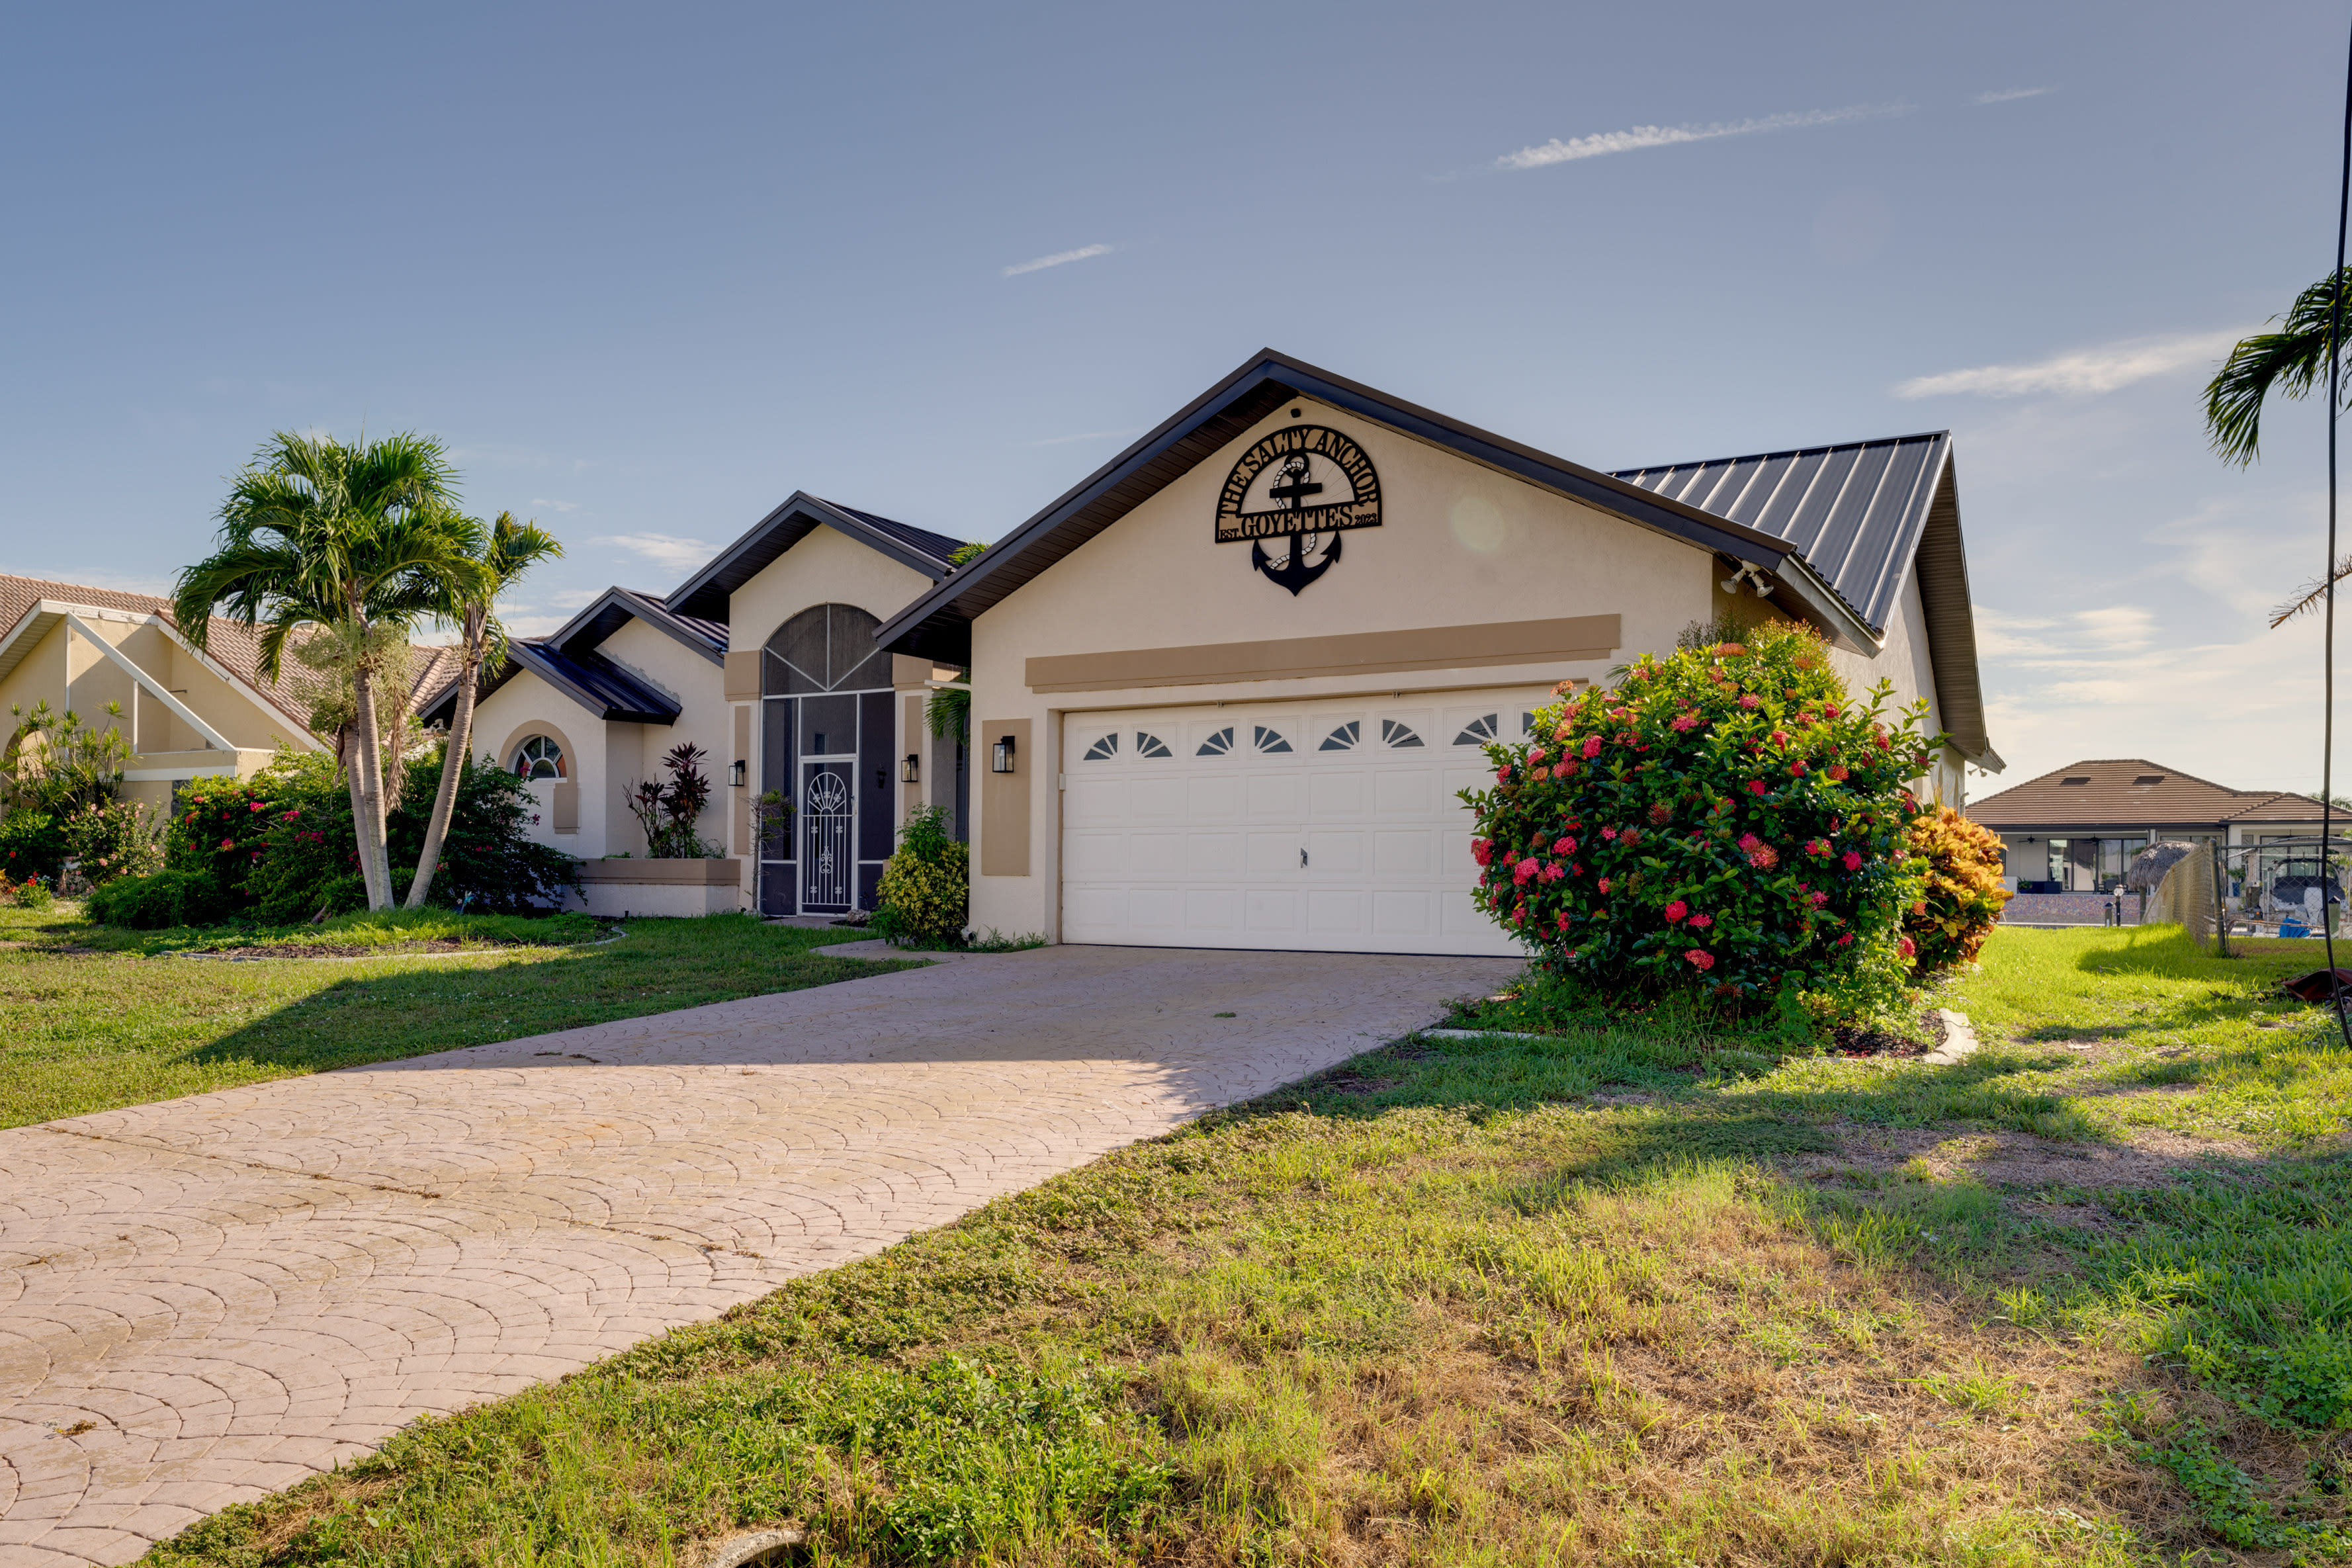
column 1726, row 820
column 1960, row 897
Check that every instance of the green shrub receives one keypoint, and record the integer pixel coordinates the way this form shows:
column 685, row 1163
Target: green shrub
column 32, row 843
column 927, row 885
column 1726, row 819
column 164, row 898
column 55, row 763
column 1960, row 896
column 489, row 863
column 113, row 838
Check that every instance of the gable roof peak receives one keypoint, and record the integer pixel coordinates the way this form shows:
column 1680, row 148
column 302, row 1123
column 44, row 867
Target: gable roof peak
column 704, row 595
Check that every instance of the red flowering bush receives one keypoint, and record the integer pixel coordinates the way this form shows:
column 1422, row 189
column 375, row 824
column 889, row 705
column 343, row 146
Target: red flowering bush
column 1727, row 819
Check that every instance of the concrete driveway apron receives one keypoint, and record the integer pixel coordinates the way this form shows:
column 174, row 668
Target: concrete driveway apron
column 206, row 1301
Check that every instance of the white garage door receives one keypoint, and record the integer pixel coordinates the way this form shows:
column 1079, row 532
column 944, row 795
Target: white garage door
column 1326, row 826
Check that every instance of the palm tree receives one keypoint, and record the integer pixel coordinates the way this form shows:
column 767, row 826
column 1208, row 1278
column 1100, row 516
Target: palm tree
column 315, row 533
column 2290, row 361
column 506, row 554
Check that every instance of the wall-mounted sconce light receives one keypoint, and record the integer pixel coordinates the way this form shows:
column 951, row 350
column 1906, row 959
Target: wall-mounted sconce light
column 911, row 770
column 738, row 773
column 999, row 756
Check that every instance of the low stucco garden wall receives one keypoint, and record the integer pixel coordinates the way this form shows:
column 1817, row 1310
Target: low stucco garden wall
column 658, row 888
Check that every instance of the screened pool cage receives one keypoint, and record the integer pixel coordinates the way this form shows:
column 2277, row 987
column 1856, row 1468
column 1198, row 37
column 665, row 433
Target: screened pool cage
column 2281, row 878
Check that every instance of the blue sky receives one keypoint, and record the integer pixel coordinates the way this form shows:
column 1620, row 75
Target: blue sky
column 648, row 271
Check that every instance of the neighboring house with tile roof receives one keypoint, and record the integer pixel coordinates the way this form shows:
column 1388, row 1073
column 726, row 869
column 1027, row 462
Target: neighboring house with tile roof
column 187, row 712
column 765, row 659
column 2076, row 828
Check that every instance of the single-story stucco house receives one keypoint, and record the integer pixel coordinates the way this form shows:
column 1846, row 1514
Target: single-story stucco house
column 1223, row 691
column 2076, row 829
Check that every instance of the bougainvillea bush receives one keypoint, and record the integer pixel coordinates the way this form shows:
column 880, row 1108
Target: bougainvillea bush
column 1960, row 897
column 1726, row 820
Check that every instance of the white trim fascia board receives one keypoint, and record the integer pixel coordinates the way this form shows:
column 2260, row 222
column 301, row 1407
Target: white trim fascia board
column 219, row 741
column 159, row 776
column 307, row 740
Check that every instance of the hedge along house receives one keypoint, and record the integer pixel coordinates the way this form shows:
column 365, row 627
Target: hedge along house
column 765, row 659
column 1225, row 689
column 185, row 714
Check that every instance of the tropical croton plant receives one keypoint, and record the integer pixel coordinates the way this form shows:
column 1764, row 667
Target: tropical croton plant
column 1727, row 819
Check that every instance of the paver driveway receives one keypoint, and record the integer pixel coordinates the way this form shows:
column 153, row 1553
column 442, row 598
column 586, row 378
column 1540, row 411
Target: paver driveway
column 206, row 1300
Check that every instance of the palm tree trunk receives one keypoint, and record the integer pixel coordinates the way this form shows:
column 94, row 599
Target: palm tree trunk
column 346, row 758
column 453, row 758
column 370, row 771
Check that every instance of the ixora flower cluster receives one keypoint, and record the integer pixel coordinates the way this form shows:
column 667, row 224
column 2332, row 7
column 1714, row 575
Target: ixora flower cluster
column 1725, row 817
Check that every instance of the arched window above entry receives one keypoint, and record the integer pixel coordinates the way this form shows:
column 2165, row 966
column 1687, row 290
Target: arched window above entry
column 826, row 648
column 540, row 758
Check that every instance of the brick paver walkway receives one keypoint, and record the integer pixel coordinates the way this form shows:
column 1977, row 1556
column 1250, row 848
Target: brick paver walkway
column 205, row 1301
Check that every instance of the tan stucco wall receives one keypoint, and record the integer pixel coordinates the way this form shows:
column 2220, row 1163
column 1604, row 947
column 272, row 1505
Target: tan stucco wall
column 635, row 752
column 1458, row 544
column 524, row 706
column 827, row 567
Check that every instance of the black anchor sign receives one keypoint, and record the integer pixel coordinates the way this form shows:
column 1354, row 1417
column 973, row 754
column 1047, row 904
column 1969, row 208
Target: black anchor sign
column 1295, row 572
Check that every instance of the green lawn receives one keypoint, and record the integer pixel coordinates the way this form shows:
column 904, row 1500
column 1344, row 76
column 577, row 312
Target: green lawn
column 1613, row 1297
column 92, row 1018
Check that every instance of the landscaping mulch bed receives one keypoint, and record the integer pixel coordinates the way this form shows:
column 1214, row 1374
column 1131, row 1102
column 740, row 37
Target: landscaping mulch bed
column 359, row 950
column 1885, row 1043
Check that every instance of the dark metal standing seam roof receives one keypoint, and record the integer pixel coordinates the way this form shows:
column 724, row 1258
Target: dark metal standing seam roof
column 938, row 546
column 1855, row 512
column 590, row 680
column 706, row 593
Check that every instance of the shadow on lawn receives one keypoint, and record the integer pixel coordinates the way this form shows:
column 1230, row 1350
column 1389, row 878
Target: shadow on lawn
column 447, row 1005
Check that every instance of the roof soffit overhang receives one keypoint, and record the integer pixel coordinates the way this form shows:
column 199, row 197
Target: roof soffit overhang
column 938, row 623
column 1940, row 559
column 706, row 593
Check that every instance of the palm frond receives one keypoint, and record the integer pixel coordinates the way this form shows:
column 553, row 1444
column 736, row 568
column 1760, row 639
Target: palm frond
column 2309, row 596
column 2289, row 362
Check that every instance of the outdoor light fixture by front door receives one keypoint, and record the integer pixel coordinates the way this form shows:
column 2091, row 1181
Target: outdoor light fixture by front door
column 738, row 773
column 911, row 770
column 999, row 756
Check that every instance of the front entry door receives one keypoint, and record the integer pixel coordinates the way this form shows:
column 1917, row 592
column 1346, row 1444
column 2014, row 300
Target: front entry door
column 828, row 816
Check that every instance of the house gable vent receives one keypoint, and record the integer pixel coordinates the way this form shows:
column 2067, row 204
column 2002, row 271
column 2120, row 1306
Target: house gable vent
column 2147, row 779
column 2077, row 779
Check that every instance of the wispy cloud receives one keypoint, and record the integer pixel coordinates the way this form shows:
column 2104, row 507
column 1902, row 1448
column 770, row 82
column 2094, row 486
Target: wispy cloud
column 572, row 598
column 661, row 549
column 555, row 505
column 1602, row 143
column 1058, row 258
column 1085, row 436
column 2009, row 94
column 2082, row 372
